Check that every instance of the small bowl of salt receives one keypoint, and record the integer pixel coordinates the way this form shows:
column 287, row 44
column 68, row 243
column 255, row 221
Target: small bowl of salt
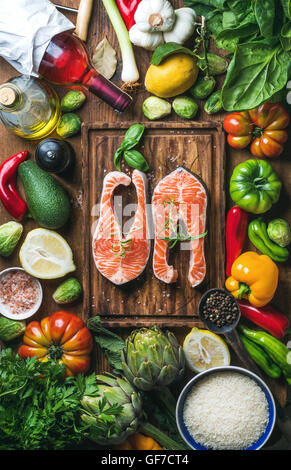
column 20, row 294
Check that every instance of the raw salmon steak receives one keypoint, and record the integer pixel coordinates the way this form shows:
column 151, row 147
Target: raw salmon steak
column 179, row 198
column 117, row 257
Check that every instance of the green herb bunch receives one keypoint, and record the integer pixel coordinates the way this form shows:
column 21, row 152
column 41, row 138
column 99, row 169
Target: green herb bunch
column 39, row 407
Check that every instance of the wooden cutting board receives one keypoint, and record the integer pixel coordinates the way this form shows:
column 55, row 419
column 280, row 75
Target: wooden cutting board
column 198, row 147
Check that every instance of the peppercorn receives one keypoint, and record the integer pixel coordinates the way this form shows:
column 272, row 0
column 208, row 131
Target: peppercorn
column 221, row 309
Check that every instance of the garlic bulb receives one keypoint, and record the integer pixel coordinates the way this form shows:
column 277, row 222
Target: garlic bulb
column 184, row 26
column 148, row 41
column 154, row 15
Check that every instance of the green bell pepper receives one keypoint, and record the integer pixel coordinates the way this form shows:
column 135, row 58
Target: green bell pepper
column 259, row 237
column 261, row 358
column 254, row 186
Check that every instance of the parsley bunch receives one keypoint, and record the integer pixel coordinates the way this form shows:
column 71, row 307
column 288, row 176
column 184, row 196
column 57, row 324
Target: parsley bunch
column 39, row 408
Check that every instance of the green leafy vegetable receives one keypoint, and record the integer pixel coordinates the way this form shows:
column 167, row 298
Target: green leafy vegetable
column 265, row 14
column 136, row 160
column 285, row 36
column 286, row 4
column 257, row 71
column 39, row 408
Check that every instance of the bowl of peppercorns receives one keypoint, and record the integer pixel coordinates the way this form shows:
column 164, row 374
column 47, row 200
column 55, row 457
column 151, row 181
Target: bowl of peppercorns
column 219, row 310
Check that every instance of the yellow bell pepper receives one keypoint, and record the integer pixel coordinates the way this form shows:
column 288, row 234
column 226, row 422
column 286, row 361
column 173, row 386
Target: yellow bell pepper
column 139, row 442
column 253, row 277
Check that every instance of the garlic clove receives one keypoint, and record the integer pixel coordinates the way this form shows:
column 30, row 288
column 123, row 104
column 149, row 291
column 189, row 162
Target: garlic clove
column 148, row 41
column 184, row 26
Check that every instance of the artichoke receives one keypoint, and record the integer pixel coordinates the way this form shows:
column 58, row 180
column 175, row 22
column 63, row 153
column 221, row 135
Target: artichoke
column 152, row 359
column 114, row 414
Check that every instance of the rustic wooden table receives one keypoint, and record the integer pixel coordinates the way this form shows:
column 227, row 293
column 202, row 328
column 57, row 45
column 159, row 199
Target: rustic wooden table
column 95, row 110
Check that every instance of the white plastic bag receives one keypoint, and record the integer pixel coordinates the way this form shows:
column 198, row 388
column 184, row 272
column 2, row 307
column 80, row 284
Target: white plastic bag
column 26, row 28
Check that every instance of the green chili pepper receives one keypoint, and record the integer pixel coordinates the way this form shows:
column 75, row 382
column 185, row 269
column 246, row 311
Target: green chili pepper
column 277, row 350
column 258, row 235
column 259, row 356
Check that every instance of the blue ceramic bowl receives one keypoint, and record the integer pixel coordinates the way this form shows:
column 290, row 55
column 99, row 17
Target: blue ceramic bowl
column 188, row 438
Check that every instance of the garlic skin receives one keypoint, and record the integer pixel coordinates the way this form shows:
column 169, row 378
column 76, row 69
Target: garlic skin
column 154, row 15
column 184, row 26
column 148, row 41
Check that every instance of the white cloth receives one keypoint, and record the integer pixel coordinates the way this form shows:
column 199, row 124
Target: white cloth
column 26, row 28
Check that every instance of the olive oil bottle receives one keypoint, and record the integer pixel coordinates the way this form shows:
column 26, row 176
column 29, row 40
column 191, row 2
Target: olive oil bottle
column 29, row 107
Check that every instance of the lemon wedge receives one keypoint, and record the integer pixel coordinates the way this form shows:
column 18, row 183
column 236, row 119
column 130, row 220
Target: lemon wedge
column 46, row 255
column 204, row 350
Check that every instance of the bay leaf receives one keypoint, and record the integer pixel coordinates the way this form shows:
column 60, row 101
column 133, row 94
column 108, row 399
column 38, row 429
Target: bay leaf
column 104, row 59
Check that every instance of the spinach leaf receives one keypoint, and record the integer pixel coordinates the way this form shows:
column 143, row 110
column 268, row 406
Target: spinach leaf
column 286, row 4
column 264, row 11
column 256, row 72
column 285, row 36
column 228, row 38
column 240, row 8
column 206, row 4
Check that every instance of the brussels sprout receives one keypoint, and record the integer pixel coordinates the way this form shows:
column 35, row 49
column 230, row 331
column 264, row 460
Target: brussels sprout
column 156, row 108
column 213, row 104
column 279, row 232
column 203, row 88
column 10, row 329
column 10, row 234
column 67, row 292
column 72, row 101
column 185, row 107
column 69, row 125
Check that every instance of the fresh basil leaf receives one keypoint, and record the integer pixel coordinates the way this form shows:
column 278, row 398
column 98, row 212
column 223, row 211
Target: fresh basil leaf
column 285, row 36
column 165, row 50
column 286, row 4
column 264, row 11
column 256, row 72
column 118, row 158
column 134, row 133
column 136, row 160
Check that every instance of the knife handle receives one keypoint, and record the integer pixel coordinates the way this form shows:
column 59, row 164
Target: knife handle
column 83, row 19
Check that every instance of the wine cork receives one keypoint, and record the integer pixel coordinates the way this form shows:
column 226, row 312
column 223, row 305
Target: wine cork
column 7, row 96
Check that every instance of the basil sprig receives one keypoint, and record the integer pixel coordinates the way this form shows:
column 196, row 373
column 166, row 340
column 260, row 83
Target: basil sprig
column 132, row 157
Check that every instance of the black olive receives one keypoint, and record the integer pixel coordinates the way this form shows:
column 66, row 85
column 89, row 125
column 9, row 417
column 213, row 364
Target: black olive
column 54, row 155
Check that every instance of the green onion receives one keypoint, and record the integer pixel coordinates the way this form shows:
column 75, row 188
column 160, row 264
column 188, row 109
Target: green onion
column 130, row 72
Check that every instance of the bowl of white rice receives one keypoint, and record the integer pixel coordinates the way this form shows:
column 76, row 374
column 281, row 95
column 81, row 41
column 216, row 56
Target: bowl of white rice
column 226, row 408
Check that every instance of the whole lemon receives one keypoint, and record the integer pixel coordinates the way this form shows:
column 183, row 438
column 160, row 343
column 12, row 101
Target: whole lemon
column 175, row 75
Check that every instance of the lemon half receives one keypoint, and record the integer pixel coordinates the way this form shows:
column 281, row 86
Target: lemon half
column 46, row 255
column 204, row 350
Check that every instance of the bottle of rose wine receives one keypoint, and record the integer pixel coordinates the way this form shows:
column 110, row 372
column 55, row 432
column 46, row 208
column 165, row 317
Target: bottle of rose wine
column 66, row 62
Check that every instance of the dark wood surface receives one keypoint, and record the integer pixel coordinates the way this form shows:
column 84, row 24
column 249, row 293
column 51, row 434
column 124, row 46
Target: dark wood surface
column 94, row 110
column 198, row 147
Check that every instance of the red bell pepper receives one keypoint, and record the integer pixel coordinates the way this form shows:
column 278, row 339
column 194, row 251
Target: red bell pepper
column 127, row 10
column 266, row 317
column 236, row 234
column 9, row 196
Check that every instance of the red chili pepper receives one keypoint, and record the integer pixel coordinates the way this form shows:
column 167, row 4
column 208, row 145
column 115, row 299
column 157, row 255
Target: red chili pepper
column 236, row 233
column 9, row 196
column 266, row 317
column 127, row 10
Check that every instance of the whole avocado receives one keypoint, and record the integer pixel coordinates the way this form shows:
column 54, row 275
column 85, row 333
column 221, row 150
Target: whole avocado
column 47, row 200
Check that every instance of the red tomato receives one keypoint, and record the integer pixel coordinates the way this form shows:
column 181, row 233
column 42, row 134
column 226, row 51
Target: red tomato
column 62, row 336
column 263, row 126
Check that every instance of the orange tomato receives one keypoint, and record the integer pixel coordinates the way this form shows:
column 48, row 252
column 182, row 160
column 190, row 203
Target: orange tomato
column 63, row 337
column 263, row 126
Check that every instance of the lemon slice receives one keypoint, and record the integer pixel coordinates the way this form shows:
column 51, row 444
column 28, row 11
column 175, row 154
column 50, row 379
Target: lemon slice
column 204, row 350
column 46, row 255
